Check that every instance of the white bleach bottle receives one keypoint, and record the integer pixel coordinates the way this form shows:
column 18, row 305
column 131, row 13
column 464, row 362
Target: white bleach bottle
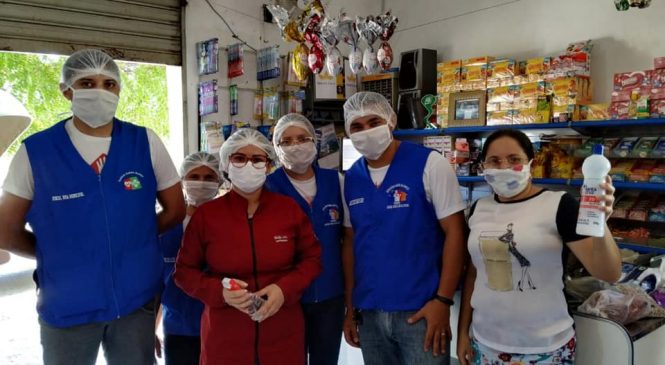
column 591, row 217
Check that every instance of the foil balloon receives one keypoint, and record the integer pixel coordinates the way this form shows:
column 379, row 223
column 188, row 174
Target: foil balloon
column 387, row 22
column 315, row 59
column 313, row 30
column 347, row 31
column 385, row 55
column 334, row 63
column 370, row 61
column 355, row 60
column 288, row 26
column 300, row 62
column 369, row 30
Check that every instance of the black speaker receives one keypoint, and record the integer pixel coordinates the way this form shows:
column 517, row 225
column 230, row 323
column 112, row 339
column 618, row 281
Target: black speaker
column 418, row 71
column 410, row 111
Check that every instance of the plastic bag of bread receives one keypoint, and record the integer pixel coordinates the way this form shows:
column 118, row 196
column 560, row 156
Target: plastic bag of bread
column 623, row 303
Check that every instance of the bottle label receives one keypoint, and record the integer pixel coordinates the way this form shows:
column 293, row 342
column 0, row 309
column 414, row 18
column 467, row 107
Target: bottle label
column 591, row 212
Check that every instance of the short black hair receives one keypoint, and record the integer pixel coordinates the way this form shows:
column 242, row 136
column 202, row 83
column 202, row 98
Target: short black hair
column 516, row 135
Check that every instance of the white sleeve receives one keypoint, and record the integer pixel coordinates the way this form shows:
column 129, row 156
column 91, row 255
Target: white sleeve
column 19, row 180
column 441, row 186
column 165, row 171
column 347, row 216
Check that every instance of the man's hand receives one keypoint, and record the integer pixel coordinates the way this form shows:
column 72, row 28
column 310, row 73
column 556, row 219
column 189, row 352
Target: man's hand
column 351, row 330
column 438, row 332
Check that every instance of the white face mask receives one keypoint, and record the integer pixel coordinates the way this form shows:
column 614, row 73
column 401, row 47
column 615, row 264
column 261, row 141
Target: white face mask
column 199, row 192
column 95, row 107
column 508, row 182
column 372, row 142
column 248, row 178
column 297, row 158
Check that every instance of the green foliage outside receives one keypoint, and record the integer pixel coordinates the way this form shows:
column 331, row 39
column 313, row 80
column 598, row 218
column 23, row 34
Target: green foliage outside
column 34, row 80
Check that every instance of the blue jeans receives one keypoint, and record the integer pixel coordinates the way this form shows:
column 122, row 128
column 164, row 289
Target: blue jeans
column 387, row 339
column 324, row 324
column 129, row 340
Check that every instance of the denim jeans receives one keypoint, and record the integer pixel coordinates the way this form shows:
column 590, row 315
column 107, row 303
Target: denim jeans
column 324, row 322
column 387, row 339
column 128, row 340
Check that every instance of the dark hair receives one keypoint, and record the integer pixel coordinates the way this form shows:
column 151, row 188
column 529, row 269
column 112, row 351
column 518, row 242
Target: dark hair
column 516, row 135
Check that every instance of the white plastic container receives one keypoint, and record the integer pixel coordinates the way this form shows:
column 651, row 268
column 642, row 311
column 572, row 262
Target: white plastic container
column 591, row 217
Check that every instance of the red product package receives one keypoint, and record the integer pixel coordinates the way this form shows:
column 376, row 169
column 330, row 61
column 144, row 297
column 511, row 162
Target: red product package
column 632, row 80
column 657, row 103
column 658, row 78
column 659, row 62
column 619, row 110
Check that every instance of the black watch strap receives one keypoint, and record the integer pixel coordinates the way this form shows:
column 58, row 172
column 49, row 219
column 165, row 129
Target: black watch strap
column 444, row 300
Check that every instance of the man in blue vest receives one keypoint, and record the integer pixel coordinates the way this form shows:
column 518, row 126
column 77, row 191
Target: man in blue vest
column 87, row 186
column 403, row 248
column 317, row 191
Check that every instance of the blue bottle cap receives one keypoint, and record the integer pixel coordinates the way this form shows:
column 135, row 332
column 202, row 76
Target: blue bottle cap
column 598, row 149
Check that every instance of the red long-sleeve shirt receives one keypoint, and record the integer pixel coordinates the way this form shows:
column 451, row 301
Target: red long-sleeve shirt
column 279, row 244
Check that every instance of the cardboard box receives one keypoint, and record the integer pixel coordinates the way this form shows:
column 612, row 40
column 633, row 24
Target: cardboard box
column 659, row 63
column 658, row 78
column 533, row 90
column 502, row 94
column 502, row 69
column 538, row 66
column 565, row 113
column 453, row 64
column 504, row 117
column 594, row 112
column 632, row 80
column 619, row 110
column 477, row 61
column 579, row 87
column 657, row 106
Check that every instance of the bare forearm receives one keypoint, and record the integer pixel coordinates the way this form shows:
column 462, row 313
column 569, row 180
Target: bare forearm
column 466, row 312
column 167, row 220
column 20, row 243
column 453, row 263
column 606, row 258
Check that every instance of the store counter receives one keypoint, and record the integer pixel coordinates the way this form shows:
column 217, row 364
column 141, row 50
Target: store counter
column 603, row 341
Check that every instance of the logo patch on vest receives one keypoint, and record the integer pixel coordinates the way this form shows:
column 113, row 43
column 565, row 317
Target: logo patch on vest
column 333, row 214
column 281, row 239
column 131, row 180
column 356, row 202
column 399, row 195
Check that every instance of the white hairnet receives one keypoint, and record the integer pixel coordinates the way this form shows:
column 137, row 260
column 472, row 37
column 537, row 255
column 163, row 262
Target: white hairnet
column 241, row 138
column 87, row 62
column 366, row 103
column 198, row 159
column 292, row 120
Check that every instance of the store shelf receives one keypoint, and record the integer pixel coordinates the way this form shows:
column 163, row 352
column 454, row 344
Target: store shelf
column 577, row 182
column 641, row 248
column 633, row 127
column 418, row 132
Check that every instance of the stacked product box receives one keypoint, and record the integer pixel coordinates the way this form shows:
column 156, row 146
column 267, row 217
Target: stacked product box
column 657, row 93
column 630, row 98
column 449, row 77
column 519, row 104
column 569, row 94
column 474, row 73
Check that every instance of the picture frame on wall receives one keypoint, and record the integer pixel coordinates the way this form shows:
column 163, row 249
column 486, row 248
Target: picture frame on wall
column 467, row 108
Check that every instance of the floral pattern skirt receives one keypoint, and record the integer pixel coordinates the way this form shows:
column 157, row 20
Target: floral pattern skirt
column 483, row 355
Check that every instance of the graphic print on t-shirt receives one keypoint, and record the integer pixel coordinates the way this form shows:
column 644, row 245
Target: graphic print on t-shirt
column 497, row 247
column 98, row 164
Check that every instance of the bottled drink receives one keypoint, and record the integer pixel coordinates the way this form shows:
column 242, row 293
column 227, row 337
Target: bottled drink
column 591, row 217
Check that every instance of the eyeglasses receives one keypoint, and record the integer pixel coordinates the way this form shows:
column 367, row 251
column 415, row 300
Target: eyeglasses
column 296, row 141
column 495, row 162
column 240, row 160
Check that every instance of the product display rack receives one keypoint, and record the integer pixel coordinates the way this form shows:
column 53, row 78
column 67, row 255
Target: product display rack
column 604, row 128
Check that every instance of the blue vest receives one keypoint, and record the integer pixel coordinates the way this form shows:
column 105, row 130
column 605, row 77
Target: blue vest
column 181, row 313
column 397, row 241
column 97, row 251
column 325, row 213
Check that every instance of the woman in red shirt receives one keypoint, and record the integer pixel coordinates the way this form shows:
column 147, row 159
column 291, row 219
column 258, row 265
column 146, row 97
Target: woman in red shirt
column 266, row 243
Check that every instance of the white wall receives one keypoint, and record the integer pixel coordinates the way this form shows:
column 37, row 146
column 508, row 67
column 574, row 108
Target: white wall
column 520, row 29
column 246, row 18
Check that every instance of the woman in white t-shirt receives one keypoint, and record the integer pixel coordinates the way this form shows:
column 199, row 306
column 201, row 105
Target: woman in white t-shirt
column 513, row 305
